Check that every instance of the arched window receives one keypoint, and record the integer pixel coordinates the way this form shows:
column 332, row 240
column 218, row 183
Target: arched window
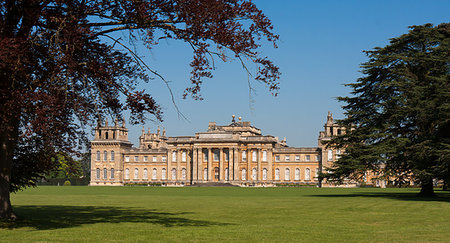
column 183, row 174
column 307, row 174
column 227, row 174
column 163, row 173
column 112, row 155
column 98, row 155
column 105, row 155
column 297, row 174
column 174, row 174
column 264, row 174
column 205, row 174
column 244, row 174
column 183, row 156
column 254, row 174
column 330, row 155
column 154, row 174
column 264, row 158
column 244, row 155
column 105, row 173
column 112, row 173
column 338, row 154
column 174, row 156
column 254, row 155
column 127, row 174
column 277, row 174
column 106, row 135
column 136, row 173
column 145, row 175
column 97, row 174
column 287, row 174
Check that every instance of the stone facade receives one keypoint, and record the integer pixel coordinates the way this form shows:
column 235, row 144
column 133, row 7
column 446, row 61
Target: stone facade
column 237, row 153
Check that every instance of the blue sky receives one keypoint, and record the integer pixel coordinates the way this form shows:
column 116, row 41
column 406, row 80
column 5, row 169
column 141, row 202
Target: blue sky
column 320, row 49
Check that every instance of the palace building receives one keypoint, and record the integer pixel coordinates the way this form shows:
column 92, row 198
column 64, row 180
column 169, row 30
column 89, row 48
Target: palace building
column 237, row 153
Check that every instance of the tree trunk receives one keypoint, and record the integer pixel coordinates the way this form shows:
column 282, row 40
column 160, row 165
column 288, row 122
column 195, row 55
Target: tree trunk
column 427, row 188
column 6, row 151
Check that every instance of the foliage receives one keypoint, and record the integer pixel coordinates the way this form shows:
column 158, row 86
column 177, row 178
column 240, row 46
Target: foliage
column 67, row 183
column 399, row 115
column 62, row 67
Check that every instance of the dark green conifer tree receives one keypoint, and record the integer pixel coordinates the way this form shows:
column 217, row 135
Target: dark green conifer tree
column 398, row 114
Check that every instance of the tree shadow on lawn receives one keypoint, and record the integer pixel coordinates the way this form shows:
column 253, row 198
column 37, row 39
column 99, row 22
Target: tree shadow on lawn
column 404, row 196
column 56, row 217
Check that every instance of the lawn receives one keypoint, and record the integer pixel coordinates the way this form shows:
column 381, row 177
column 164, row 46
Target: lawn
column 224, row 214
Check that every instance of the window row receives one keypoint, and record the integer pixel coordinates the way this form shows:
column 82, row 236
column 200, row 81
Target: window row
column 288, row 158
column 146, row 158
column 105, row 173
column 287, row 174
column 105, row 156
column 155, row 174
column 330, row 154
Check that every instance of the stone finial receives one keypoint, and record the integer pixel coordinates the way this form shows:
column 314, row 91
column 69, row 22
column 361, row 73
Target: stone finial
column 164, row 132
column 116, row 122
column 330, row 117
column 159, row 130
column 123, row 122
column 240, row 119
column 106, row 121
column 148, row 131
column 233, row 116
column 143, row 130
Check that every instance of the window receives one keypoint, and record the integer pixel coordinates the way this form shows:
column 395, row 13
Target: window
column 227, row 174
column 317, row 157
column 155, row 158
column 297, row 174
column 105, row 155
column 287, row 158
column 174, row 174
column 163, row 174
column 183, row 174
column 127, row 174
column 145, row 175
column 227, row 155
column 164, row 159
column 216, row 173
column 244, row 174
column 105, row 173
column 330, row 155
column 183, row 156
column 264, row 174
column 112, row 155
column 205, row 155
column 98, row 155
column 307, row 157
column 277, row 174
column 277, row 158
column 254, row 174
column 136, row 173
column 112, row 173
column 254, row 155
column 216, row 154
column 127, row 158
column 174, row 156
column 97, row 174
column 264, row 158
column 205, row 174
column 338, row 154
column 287, row 174
column 307, row 174
column 297, row 158
column 145, row 159
column 154, row 174
column 244, row 155
column 136, row 158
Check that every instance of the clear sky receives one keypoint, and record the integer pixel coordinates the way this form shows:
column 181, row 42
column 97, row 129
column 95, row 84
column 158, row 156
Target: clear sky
column 320, row 49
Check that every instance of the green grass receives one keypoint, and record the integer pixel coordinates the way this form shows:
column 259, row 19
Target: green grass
column 192, row 214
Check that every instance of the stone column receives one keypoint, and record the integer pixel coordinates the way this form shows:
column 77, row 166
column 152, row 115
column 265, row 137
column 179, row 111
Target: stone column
column 231, row 164
column 194, row 164
column 221, row 159
column 178, row 174
column 210, row 159
column 249, row 164
column 169, row 165
column 188, row 165
column 270, row 165
column 258, row 168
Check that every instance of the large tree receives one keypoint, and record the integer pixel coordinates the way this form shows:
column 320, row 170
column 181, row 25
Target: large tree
column 62, row 67
column 399, row 112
